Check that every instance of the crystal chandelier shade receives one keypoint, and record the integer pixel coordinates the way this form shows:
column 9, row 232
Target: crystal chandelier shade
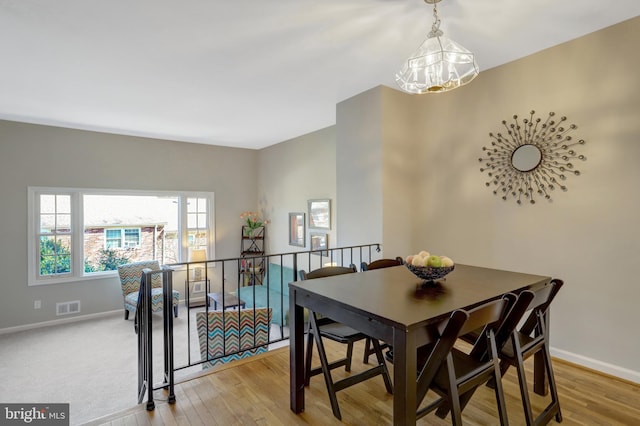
column 438, row 65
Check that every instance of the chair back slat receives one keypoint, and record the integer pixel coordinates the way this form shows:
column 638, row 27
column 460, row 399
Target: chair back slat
column 540, row 303
column 513, row 317
column 488, row 313
column 381, row 263
column 327, row 271
column 542, row 297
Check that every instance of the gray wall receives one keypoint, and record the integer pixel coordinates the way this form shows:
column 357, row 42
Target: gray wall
column 292, row 172
column 375, row 138
column 588, row 236
column 33, row 155
column 358, row 168
column 429, row 195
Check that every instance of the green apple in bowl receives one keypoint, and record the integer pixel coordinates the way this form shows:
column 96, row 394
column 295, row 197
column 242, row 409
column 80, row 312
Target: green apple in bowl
column 433, row 261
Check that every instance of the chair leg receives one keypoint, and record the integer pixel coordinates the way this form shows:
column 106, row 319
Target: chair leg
column 522, row 379
column 326, row 371
column 381, row 362
column 454, row 396
column 502, row 406
column 367, row 350
column 499, row 391
column 308, row 356
column 497, row 379
column 126, row 314
column 175, row 311
column 553, row 390
column 347, row 367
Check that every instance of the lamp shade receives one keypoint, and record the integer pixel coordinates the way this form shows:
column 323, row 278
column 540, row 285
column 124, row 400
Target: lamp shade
column 438, row 65
column 198, row 255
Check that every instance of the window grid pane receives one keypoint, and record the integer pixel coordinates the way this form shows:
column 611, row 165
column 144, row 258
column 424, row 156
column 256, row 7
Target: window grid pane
column 113, row 238
column 54, row 234
column 197, row 222
column 55, row 255
column 197, row 239
column 55, row 214
column 131, row 237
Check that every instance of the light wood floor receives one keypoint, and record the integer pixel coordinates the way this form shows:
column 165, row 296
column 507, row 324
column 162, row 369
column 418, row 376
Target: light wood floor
column 256, row 391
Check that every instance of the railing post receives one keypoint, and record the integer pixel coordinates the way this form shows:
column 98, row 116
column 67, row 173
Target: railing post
column 145, row 343
column 168, row 310
column 145, row 336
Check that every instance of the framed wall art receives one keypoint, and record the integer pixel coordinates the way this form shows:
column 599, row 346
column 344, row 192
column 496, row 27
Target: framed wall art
column 297, row 229
column 320, row 214
column 319, row 243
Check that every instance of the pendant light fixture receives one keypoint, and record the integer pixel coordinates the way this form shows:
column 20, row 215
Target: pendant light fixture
column 438, row 65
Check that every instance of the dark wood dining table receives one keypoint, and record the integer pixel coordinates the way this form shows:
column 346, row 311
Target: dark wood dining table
column 392, row 305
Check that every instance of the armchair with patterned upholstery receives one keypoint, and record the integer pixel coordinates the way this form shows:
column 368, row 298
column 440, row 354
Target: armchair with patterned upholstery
column 130, row 275
column 232, row 334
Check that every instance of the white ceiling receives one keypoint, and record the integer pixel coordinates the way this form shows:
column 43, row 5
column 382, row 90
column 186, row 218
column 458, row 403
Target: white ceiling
column 246, row 73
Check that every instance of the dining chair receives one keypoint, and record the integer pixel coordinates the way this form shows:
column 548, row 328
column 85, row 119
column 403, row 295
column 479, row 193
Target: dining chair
column 515, row 310
column 451, row 372
column 381, row 263
column 377, row 264
column 320, row 327
column 532, row 338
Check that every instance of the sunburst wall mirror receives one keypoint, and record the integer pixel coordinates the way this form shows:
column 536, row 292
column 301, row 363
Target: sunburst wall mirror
column 532, row 159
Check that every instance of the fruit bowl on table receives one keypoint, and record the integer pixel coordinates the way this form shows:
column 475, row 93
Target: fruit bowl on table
column 429, row 273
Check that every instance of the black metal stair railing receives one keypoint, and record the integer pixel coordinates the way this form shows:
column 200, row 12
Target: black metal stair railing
column 144, row 329
column 277, row 284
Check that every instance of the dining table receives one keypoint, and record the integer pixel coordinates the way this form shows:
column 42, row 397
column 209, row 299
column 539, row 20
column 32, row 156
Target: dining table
column 395, row 306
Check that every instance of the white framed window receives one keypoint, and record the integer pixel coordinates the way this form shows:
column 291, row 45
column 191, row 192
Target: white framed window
column 54, row 234
column 77, row 233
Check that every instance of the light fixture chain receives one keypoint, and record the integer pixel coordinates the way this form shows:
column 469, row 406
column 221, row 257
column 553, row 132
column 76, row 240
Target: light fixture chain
column 435, row 27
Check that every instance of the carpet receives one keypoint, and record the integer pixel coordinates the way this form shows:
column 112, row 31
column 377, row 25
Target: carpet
column 90, row 364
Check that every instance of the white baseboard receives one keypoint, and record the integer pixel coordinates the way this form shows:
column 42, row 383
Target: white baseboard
column 594, row 364
column 59, row 321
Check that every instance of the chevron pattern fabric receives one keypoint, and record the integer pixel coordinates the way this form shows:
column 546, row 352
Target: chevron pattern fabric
column 225, row 336
column 131, row 272
column 130, row 275
column 131, row 300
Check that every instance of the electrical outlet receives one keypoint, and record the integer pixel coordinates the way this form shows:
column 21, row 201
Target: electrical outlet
column 37, row 304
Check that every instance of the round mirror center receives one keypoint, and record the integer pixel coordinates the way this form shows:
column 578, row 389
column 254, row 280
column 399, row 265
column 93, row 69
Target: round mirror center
column 526, row 157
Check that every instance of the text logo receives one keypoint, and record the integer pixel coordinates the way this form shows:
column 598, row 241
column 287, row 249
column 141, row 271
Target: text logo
column 34, row 414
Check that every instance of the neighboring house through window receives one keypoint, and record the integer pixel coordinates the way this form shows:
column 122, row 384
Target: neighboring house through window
column 122, row 237
column 79, row 233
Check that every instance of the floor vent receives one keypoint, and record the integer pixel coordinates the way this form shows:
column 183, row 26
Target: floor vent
column 66, row 308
